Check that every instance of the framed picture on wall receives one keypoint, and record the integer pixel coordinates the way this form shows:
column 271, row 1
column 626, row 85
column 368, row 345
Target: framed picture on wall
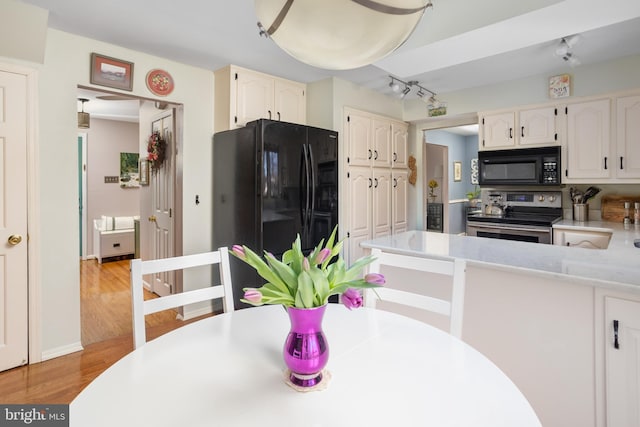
column 457, row 171
column 111, row 72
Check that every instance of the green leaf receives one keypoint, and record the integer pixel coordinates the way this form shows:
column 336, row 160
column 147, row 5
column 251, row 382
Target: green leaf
column 286, row 273
column 305, row 289
column 320, row 283
column 263, row 269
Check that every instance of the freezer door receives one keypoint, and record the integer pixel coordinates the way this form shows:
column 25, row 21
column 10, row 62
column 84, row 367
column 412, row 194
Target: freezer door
column 323, row 157
column 283, row 185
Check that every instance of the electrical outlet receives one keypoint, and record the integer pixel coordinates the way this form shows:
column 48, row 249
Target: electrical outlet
column 111, row 179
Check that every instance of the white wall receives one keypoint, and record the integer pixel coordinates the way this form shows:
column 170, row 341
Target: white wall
column 67, row 65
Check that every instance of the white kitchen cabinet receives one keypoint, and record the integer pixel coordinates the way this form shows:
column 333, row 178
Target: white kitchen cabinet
column 358, row 132
column 381, row 142
column 377, row 177
column 627, row 163
column 360, row 196
column 537, row 126
column 400, row 189
column 588, row 148
column 243, row 95
column 496, row 131
column 622, row 362
column 399, row 138
column 521, row 128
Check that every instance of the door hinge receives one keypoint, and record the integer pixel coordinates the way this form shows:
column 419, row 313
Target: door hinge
column 170, row 288
column 348, row 174
column 483, row 142
column 348, row 234
column 348, row 159
column 616, row 344
column 348, row 118
column 566, row 110
column 483, row 120
column 566, row 172
column 555, row 136
column 170, row 213
column 236, row 76
column 235, row 119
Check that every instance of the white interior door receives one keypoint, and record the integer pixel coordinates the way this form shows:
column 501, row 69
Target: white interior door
column 162, row 199
column 13, row 221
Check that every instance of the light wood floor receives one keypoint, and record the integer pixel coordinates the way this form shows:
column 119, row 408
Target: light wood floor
column 106, row 337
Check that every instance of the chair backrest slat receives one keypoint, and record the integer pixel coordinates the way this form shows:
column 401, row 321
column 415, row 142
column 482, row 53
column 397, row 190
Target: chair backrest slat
column 455, row 268
column 140, row 307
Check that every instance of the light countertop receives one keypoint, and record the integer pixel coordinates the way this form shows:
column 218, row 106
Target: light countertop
column 616, row 267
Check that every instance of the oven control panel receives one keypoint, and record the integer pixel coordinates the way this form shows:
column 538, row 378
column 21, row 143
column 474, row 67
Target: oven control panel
column 546, row 199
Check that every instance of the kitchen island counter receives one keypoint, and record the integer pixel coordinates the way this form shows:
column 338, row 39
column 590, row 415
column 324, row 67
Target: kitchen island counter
column 617, row 267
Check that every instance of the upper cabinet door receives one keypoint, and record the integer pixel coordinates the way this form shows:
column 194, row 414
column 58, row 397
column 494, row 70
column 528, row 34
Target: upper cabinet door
column 538, row 126
column 358, row 128
column 381, row 143
column 627, row 163
column 290, row 102
column 399, row 136
column 497, row 131
column 254, row 97
column 588, row 140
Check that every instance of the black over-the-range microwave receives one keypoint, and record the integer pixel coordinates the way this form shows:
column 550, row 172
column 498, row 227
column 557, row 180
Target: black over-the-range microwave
column 527, row 166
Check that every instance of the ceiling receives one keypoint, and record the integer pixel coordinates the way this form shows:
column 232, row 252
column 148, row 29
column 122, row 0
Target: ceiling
column 458, row 44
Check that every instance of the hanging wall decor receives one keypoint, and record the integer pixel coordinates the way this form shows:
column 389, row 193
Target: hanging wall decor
column 129, row 172
column 111, row 72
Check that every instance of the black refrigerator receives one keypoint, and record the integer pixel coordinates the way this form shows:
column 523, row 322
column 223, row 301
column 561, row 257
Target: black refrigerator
column 272, row 180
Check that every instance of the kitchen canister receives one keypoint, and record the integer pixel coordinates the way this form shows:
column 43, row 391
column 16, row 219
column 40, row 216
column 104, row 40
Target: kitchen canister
column 581, row 212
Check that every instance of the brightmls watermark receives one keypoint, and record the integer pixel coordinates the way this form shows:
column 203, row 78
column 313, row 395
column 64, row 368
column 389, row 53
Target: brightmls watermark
column 34, row 415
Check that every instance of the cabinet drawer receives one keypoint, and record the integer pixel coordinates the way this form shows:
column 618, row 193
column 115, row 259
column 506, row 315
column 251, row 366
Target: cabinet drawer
column 117, row 243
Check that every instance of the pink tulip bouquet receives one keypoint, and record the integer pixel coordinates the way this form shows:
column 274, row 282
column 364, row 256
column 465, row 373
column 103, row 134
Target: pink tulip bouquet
column 307, row 281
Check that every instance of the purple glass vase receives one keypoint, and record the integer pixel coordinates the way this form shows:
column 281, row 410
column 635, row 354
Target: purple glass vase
column 306, row 351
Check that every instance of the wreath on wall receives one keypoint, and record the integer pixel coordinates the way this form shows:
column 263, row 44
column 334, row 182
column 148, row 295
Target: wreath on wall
column 156, row 148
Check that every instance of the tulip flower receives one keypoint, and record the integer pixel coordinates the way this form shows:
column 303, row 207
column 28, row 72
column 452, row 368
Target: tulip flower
column 239, row 251
column 305, row 264
column 323, row 255
column 352, row 298
column 375, row 278
column 253, row 295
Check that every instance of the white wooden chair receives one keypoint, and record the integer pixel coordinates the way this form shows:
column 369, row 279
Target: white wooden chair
column 454, row 268
column 141, row 308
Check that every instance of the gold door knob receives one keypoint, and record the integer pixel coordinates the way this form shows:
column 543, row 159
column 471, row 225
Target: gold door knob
column 152, row 218
column 14, row 239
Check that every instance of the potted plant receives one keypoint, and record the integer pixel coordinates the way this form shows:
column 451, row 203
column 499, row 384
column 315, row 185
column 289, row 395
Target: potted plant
column 433, row 184
column 473, row 196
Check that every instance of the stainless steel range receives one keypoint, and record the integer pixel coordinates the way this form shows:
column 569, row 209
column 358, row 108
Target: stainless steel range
column 525, row 216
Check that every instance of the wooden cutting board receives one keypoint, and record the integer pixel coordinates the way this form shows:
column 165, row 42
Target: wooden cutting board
column 612, row 208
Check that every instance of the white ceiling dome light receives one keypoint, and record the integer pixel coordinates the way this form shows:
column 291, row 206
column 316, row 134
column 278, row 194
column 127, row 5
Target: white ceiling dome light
column 339, row 34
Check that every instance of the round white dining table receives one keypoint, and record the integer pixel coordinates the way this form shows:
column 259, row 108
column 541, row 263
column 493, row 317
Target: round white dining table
column 228, row 370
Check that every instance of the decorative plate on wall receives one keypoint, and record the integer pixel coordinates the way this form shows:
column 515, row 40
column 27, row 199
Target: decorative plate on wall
column 159, row 82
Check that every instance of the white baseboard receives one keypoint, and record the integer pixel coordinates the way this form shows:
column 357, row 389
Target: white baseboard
column 62, row 351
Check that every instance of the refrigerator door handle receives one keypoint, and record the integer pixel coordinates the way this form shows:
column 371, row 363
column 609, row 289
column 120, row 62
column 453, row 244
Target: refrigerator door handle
column 312, row 202
column 305, row 223
column 303, row 174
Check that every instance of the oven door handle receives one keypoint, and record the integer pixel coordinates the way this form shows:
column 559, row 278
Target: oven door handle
column 501, row 227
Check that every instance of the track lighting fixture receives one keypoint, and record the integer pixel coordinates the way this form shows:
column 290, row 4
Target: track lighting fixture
column 564, row 49
column 395, row 83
